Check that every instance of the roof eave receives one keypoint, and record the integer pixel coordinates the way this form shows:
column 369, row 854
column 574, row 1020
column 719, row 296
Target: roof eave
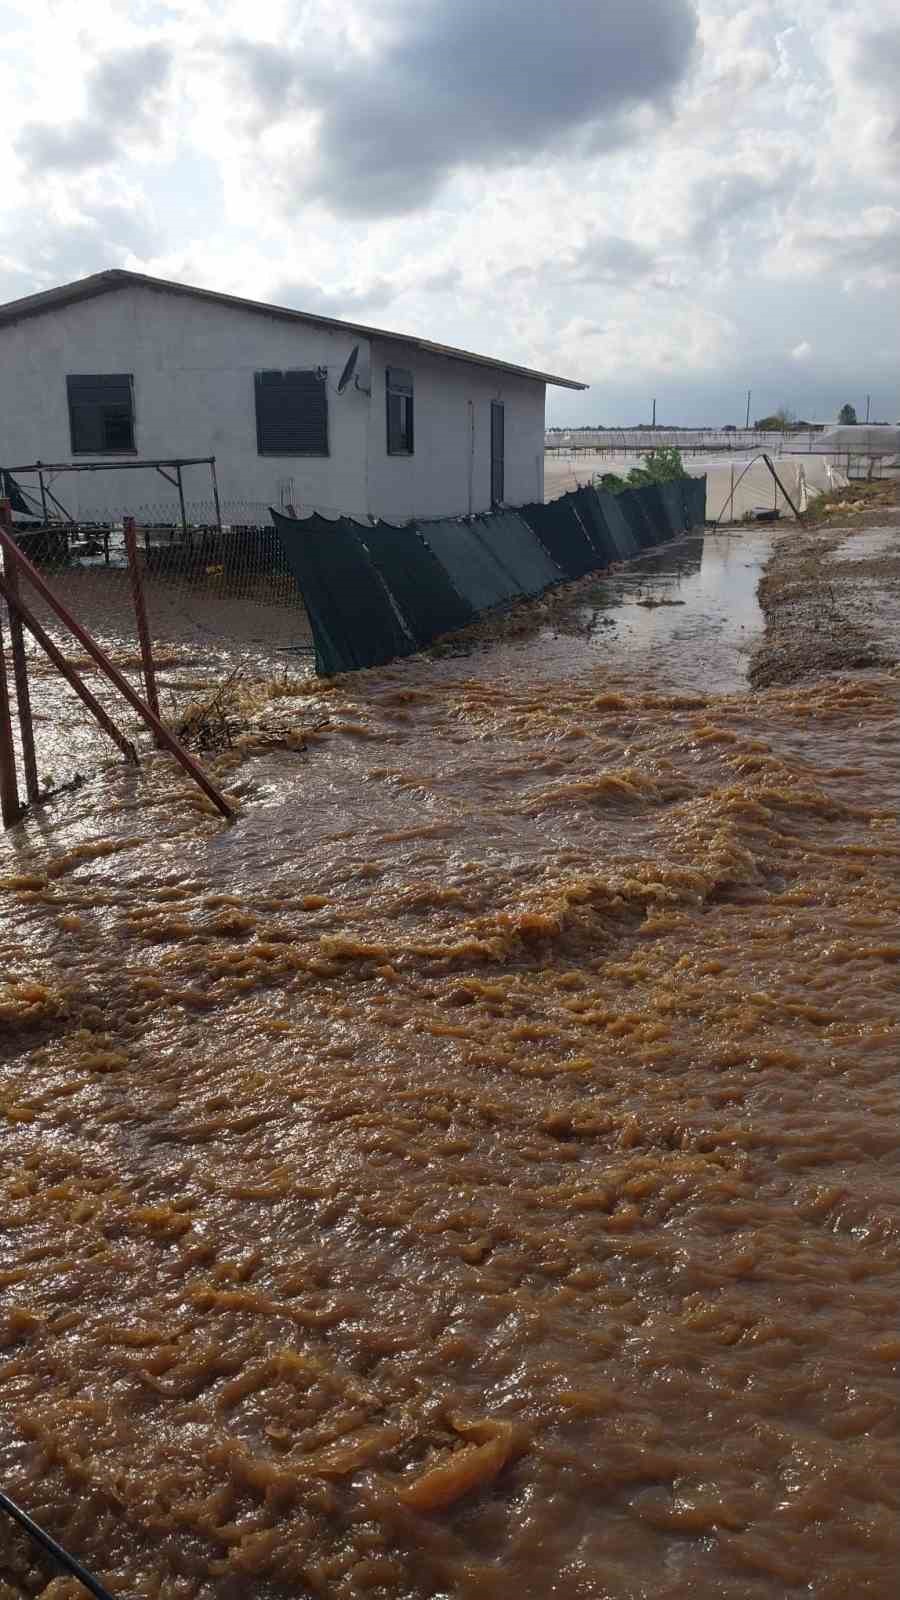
column 118, row 278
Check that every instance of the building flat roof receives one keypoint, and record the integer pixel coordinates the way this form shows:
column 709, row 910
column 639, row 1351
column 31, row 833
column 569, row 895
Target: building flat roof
column 36, row 305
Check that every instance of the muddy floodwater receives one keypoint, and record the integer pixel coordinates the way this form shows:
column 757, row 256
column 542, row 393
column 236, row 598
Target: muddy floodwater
column 474, row 1172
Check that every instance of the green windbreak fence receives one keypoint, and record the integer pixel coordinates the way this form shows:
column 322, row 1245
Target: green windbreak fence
column 512, row 543
column 625, row 522
column 562, row 534
column 354, row 620
column 375, row 591
column 473, row 568
column 419, row 584
column 694, row 493
column 673, row 508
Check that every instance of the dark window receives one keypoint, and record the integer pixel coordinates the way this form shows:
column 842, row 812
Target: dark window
column 399, row 411
column 101, row 413
column 291, row 413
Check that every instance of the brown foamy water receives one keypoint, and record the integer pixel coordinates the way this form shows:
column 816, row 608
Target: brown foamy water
column 475, row 1172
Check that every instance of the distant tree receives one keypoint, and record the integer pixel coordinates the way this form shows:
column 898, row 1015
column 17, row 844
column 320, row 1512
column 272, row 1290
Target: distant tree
column 777, row 422
column 847, row 415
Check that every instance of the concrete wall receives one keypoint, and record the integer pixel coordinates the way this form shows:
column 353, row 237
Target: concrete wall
column 194, row 363
column 450, row 472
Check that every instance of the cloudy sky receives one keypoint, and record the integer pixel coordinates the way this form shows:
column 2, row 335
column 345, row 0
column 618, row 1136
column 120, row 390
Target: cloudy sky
column 672, row 198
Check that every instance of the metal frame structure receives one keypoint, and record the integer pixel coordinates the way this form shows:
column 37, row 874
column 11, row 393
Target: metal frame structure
column 175, row 462
column 16, row 567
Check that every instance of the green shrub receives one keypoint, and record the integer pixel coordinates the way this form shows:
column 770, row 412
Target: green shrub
column 663, row 465
column 660, row 466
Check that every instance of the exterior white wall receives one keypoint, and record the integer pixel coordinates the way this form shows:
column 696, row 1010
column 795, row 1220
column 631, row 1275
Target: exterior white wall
column 452, row 435
column 193, row 364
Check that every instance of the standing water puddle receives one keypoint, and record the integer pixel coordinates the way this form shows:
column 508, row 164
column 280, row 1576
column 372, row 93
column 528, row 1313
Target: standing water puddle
column 688, row 613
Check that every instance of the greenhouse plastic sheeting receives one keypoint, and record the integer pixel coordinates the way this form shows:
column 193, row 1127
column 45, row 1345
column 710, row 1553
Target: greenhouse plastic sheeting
column 353, row 620
column 420, row 585
column 512, row 543
column 560, row 531
column 471, row 567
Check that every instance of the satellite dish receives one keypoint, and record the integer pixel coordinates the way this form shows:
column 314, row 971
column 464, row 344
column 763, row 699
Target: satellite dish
column 349, row 369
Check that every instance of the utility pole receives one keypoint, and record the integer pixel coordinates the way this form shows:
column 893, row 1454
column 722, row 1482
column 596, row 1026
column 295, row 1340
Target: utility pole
column 653, row 423
column 868, row 403
column 748, row 408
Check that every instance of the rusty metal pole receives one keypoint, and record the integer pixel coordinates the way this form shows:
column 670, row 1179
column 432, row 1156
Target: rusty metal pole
column 20, row 670
column 158, row 728
column 10, row 806
column 67, row 671
column 140, row 613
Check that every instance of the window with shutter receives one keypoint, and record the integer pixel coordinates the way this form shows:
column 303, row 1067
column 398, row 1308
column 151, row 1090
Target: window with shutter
column 399, row 385
column 291, row 413
column 101, row 413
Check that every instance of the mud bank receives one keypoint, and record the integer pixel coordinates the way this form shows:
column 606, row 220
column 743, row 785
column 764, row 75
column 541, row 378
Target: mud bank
column 830, row 595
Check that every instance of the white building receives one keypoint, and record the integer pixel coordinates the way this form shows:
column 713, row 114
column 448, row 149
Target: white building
column 119, row 366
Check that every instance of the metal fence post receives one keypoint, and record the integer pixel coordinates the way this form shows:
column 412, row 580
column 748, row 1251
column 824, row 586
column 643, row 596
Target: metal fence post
column 20, row 667
column 140, row 612
column 166, row 738
column 10, row 807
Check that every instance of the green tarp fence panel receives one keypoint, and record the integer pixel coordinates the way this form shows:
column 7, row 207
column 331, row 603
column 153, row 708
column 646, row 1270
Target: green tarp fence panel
column 563, row 536
column 589, row 507
column 420, row 585
column 694, row 492
column 354, row 621
column 673, row 508
column 374, row 592
column 512, row 543
column 657, row 514
column 623, row 520
column 471, row 567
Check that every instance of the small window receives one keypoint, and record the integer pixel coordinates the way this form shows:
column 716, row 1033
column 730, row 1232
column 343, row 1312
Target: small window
column 399, row 411
column 101, row 413
column 291, row 413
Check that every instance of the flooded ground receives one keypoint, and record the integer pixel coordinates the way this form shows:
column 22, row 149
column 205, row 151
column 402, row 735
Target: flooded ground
column 688, row 607
column 203, row 636
column 644, row 614
column 474, row 1172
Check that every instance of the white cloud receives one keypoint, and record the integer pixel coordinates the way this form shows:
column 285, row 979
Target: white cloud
column 685, row 198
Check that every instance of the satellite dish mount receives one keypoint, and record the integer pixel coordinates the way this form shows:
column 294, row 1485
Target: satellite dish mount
column 350, row 374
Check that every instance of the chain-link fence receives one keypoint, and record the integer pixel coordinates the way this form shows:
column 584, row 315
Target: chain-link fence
column 222, row 607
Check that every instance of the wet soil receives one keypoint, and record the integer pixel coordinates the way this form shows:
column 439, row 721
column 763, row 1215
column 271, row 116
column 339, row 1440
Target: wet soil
column 831, row 599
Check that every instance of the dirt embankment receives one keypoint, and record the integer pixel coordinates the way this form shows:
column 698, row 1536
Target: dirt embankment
column 831, row 592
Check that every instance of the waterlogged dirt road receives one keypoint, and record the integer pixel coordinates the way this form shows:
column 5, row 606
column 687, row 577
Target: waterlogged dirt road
column 475, row 1172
